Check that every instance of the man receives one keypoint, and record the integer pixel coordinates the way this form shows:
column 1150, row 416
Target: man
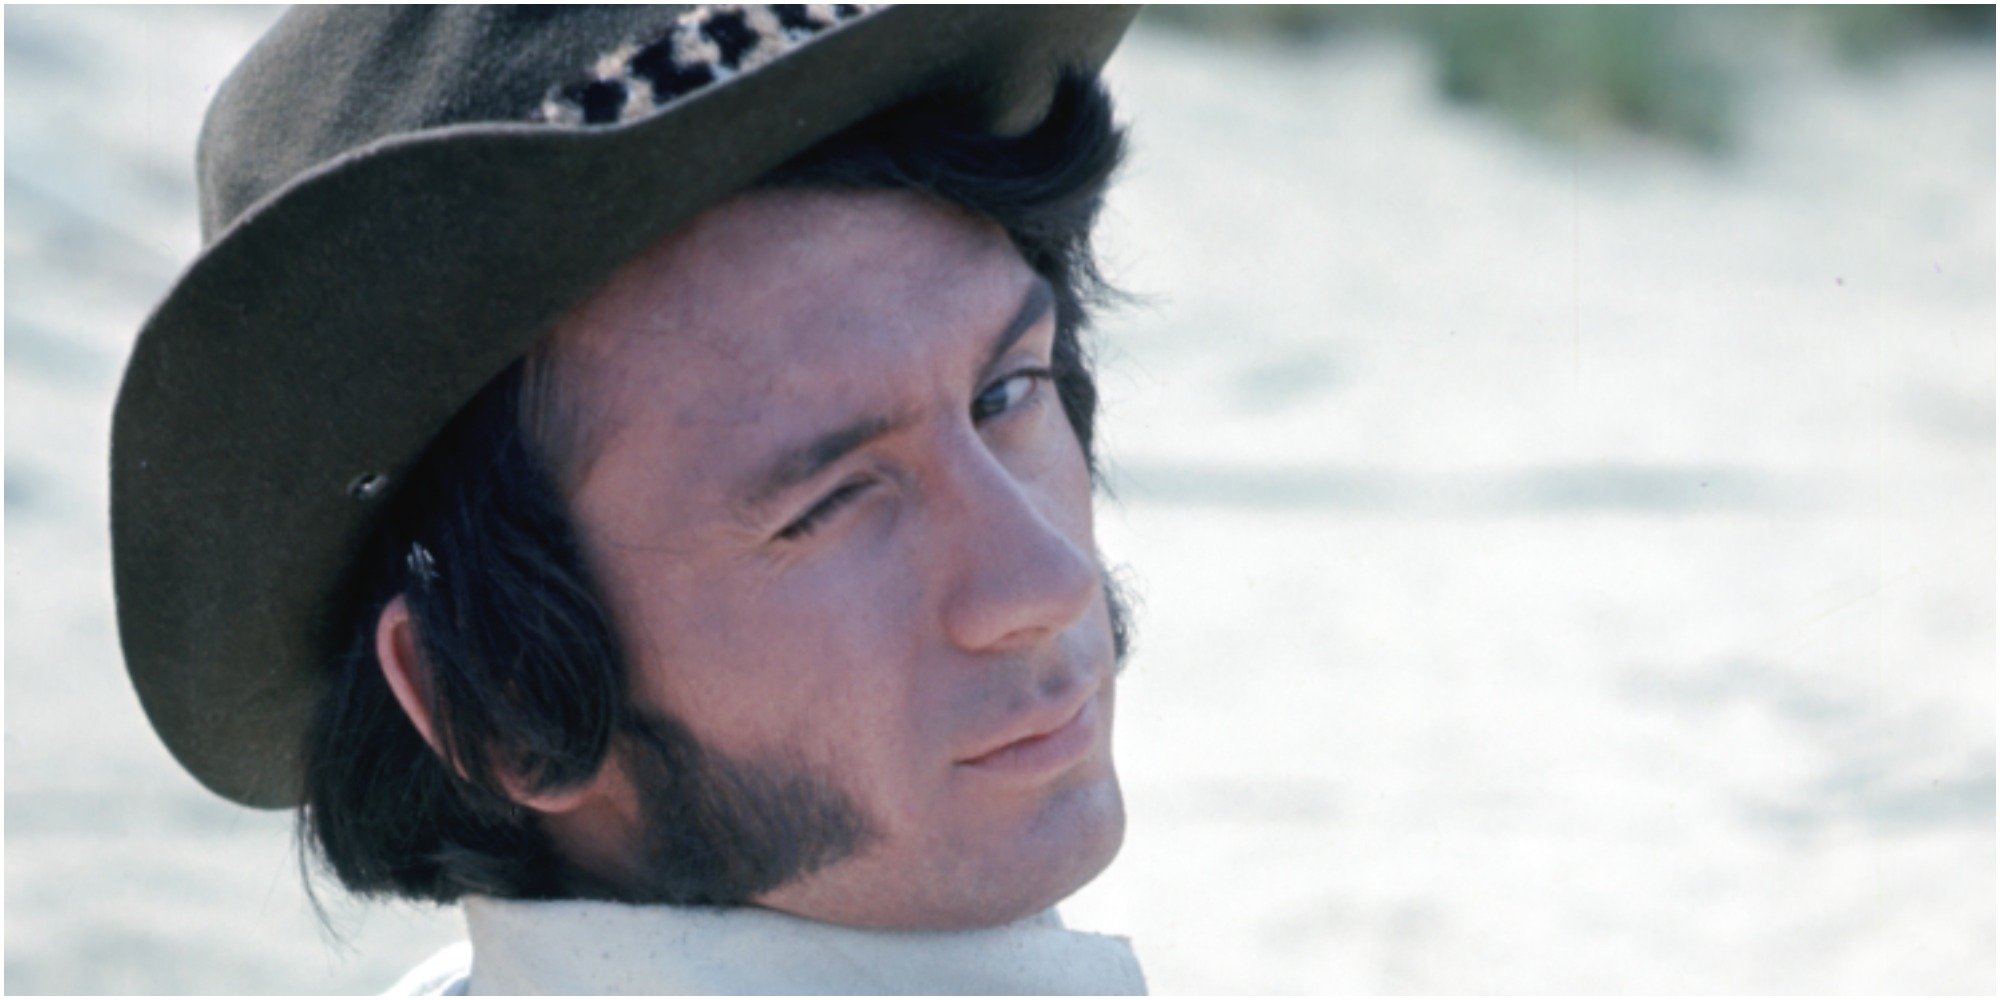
column 629, row 470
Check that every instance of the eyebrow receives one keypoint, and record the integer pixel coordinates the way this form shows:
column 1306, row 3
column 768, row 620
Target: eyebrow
column 802, row 462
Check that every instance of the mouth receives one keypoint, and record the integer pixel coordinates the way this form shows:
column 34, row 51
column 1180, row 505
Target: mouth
column 1046, row 742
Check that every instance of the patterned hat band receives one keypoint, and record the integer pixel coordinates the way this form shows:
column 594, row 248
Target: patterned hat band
column 710, row 43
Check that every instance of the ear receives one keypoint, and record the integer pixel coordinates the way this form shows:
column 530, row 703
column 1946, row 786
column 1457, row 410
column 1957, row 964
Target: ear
column 403, row 668
column 396, row 650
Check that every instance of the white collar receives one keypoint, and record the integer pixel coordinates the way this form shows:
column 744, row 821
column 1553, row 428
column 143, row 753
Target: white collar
column 574, row 946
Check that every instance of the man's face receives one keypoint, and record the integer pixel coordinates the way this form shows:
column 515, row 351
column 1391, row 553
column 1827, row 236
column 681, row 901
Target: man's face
column 845, row 533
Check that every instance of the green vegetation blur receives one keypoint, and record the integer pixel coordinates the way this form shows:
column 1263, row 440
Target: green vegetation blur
column 1562, row 72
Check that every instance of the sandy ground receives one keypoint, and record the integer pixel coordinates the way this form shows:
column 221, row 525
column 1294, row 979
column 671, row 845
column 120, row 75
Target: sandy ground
column 1564, row 567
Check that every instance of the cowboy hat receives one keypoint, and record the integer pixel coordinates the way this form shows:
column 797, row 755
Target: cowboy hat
column 396, row 203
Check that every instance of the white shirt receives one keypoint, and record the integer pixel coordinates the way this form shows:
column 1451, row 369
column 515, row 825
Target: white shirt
column 581, row 947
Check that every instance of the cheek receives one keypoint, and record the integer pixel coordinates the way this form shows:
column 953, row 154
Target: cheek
column 813, row 661
column 854, row 622
column 868, row 698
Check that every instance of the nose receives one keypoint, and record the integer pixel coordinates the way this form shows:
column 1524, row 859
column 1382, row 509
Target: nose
column 1014, row 577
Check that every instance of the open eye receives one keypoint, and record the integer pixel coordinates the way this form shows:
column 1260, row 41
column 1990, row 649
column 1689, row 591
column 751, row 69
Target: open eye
column 1007, row 393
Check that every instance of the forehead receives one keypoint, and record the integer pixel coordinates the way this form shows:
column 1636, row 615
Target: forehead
column 784, row 311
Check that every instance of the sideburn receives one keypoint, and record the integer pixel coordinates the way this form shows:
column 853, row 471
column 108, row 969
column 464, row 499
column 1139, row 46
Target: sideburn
column 721, row 832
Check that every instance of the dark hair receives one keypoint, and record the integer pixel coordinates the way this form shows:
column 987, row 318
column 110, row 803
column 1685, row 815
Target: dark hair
column 523, row 671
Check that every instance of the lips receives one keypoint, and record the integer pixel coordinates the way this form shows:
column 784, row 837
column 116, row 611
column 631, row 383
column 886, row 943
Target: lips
column 1047, row 740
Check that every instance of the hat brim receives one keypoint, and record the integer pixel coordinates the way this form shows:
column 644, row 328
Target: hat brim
column 328, row 335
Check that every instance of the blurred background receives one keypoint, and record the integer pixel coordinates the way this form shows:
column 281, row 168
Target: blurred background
column 1553, row 449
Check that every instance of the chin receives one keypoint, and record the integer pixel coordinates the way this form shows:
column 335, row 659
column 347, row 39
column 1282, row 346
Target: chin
column 1088, row 854
column 1074, row 839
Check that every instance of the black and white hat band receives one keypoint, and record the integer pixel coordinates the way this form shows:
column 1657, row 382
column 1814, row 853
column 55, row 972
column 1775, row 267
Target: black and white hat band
column 705, row 45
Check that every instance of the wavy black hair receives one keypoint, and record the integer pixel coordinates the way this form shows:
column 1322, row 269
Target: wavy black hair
column 523, row 672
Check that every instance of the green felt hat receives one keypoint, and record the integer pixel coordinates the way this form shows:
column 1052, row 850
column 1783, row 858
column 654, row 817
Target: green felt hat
column 396, row 204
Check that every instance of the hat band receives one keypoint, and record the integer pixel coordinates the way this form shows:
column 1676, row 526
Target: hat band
column 705, row 45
